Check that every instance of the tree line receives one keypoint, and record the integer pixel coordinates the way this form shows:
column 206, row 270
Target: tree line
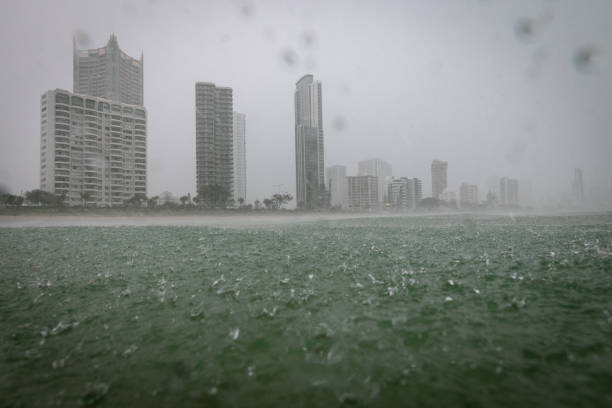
column 210, row 197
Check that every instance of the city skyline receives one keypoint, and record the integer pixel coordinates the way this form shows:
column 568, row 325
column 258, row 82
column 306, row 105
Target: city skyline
column 512, row 105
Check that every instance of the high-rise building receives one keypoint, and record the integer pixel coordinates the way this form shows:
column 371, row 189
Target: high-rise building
column 214, row 141
column 240, row 176
column 309, row 146
column 578, row 188
column 337, row 185
column 93, row 150
column 108, row 73
column 468, row 195
column 362, row 192
column 438, row 177
column 508, row 192
column 405, row 193
column 378, row 168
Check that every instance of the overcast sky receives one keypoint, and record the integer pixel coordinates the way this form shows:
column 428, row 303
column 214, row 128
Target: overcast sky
column 496, row 88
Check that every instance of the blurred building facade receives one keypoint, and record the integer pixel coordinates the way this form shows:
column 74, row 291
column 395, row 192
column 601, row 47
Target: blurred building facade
column 468, row 195
column 240, row 172
column 335, row 177
column 578, row 188
column 378, row 168
column 108, row 73
column 214, row 138
column 309, row 144
column 508, row 192
column 362, row 192
column 438, row 177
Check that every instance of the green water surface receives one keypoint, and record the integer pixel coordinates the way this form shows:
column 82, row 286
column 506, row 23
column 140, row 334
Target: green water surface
column 407, row 311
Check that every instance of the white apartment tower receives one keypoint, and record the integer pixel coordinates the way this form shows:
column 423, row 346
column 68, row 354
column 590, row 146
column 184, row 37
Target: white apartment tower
column 336, row 185
column 214, row 140
column 405, row 193
column 362, row 192
column 108, row 73
column 240, row 176
column 378, row 168
column 438, row 177
column 309, row 146
column 93, row 150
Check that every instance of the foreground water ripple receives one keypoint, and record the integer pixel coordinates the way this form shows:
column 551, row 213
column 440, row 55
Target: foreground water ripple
column 429, row 311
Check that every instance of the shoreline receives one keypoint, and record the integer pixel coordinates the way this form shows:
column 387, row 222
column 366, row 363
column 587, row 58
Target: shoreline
column 237, row 219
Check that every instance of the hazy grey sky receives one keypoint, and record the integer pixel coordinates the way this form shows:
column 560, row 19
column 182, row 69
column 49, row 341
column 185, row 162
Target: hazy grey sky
column 515, row 88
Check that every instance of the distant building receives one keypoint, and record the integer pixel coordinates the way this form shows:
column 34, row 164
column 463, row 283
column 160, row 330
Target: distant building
column 525, row 193
column 380, row 169
column 578, row 188
column 337, row 185
column 405, row 193
column 240, row 173
column 92, row 149
column 309, row 146
column 167, row 198
column 468, row 195
column 450, row 197
column 362, row 192
column 214, row 138
column 108, row 73
column 508, row 192
column 438, row 177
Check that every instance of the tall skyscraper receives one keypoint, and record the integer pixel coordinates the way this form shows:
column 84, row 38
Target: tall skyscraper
column 468, row 195
column 240, row 176
column 380, row 169
column 214, row 141
column 438, row 177
column 578, row 188
column 93, row 150
column 108, row 73
column 309, row 147
column 508, row 192
column 336, row 185
column 362, row 192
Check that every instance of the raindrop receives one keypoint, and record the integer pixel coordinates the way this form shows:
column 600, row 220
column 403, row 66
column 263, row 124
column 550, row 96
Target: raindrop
column 585, row 59
column 94, row 393
column 339, row 123
column 308, row 38
column 234, row 333
column 246, row 9
column 289, row 57
column 82, row 38
column 130, row 350
column 525, row 28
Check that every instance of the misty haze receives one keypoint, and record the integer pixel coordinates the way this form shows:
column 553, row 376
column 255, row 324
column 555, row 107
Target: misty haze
column 282, row 203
